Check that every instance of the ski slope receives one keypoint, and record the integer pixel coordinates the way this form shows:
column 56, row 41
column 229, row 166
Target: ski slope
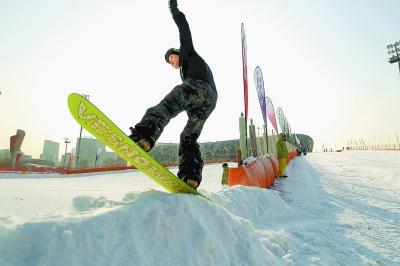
column 333, row 209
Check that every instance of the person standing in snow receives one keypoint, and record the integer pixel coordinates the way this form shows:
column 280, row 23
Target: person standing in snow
column 225, row 174
column 282, row 153
column 197, row 95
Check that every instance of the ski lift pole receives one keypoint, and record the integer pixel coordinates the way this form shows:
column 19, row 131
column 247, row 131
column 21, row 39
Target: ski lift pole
column 243, row 137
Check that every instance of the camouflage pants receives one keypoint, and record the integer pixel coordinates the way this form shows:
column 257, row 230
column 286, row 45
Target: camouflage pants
column 198, row 99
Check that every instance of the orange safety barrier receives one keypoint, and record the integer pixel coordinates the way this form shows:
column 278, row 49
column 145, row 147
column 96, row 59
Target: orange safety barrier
column 259, row 173
column 256, row 170
column 98, row 169
column 67, row 171
column 268, row 171
column 275, row 164
column 236, row 176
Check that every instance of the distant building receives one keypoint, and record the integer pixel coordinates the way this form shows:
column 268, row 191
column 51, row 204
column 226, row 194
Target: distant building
column 15, row 147
column 26, row 158
column 88, row 151
column 67, row 160
column 110, row 158
column 50, row 151
column 5, row 157
column 5, row 154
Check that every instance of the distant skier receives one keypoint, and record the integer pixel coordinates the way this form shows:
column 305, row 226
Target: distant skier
column 197, row 95
column 225, row 174
column 282, row 153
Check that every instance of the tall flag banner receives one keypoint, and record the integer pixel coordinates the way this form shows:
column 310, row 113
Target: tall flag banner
column 245, row 81
column 288, row 129
column 287, row 126
column 271, row 113
column 259, row 83
column 289, row 132
column 282, row 120
column 297, row 140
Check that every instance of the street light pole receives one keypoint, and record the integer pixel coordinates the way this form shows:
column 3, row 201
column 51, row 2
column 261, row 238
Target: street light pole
column 394, row 52
column 66, row 141
column 80, row 137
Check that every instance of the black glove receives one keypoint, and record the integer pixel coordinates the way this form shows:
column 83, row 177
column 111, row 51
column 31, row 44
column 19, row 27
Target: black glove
column 173, row 7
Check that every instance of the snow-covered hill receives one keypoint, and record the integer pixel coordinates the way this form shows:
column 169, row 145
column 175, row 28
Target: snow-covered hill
column 333, row 209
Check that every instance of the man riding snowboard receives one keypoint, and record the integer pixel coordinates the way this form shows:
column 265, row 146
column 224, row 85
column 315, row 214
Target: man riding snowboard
column 197, row 95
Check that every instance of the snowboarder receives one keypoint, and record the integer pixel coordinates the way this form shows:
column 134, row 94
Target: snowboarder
column 197, row 95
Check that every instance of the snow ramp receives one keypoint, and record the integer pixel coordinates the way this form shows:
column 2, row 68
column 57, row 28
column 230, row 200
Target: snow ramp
column 151, row 228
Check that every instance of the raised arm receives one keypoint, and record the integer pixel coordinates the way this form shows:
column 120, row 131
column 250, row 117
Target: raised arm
column 185, row 35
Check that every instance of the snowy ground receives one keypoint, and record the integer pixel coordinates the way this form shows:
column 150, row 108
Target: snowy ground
column 333, row 209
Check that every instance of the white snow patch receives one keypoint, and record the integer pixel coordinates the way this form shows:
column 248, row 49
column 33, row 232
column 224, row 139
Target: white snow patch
column 333, row 209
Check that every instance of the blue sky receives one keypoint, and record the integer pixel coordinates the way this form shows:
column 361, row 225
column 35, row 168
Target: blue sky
column 324, row 63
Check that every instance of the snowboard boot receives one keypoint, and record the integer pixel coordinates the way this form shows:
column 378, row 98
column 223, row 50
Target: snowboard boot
column 190, row 168
column 145, row 144
column 192, row 183
column 137, row 137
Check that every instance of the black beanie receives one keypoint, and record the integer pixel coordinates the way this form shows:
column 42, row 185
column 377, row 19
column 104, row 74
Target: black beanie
column 169, row 52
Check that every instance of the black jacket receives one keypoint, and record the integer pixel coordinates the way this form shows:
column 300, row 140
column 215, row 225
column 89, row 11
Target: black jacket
column 192, row 65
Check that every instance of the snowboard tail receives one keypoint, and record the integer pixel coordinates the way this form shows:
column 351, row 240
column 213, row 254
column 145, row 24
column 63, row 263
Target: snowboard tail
column 100, row 126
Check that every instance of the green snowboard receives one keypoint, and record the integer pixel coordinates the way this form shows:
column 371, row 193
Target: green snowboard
column 97, row 123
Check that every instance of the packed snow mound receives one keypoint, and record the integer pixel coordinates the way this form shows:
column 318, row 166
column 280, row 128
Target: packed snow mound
column 148, row 228
column 333, row 209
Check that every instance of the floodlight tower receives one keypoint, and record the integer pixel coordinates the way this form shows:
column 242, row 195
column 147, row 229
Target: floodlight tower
column 394, row 52
column 66, row 141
